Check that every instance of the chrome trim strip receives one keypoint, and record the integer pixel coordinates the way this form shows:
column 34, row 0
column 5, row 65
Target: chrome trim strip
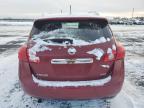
column 72, row 61
column 44, row 83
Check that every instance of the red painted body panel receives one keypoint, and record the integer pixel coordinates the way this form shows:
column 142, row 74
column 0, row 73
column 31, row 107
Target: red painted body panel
column 108, row 90
column 71, row 72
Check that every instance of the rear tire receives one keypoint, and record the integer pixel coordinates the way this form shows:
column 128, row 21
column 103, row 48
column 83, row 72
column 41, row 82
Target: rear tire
column 40, row 100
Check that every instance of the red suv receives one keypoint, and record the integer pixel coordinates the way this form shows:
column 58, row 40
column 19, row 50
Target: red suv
column 71, row 57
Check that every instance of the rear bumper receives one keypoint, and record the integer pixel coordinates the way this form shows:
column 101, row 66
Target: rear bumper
column 108, row 89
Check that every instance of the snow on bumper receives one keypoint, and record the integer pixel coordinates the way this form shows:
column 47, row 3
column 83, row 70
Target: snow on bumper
column 44, row 83
column 109, row 89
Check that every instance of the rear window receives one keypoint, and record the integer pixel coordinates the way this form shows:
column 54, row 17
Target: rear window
column 86, row 30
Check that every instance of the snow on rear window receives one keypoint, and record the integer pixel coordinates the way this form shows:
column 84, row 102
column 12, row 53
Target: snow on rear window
column 84, row 31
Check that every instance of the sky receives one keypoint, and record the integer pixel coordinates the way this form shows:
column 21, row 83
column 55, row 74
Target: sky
column 22, row 8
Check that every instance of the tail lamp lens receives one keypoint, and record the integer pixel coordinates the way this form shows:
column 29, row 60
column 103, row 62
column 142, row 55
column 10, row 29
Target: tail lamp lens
column 32, row 57
column 116, row 54
column 109, row 57
column 23, row 55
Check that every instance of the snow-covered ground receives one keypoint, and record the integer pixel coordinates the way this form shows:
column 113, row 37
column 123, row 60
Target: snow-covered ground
column 131, row 96
column 12, row 96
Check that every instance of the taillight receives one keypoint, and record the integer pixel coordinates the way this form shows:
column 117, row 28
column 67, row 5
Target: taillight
column 22, row 53
column 32, row 57
column 35, row 60
column 114, row 54
column 109, row 56
column 120, row 51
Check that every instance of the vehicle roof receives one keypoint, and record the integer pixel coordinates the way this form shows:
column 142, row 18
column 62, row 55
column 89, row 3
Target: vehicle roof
column 71, row 16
